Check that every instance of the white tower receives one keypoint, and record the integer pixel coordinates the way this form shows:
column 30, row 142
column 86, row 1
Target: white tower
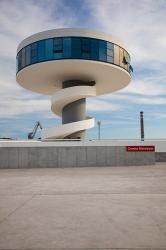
column 70, row 65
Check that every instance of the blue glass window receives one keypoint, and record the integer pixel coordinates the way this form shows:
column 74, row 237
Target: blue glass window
column 103, row 51
column 76, row 47
column 19, row 60
column 130, row 69
column 34, row 53
column 58, row 45
column 110, row 52
column 58, row 55
column 85, row 45
column 110, row 59
column 110, row 46
column 94, row 49
column 49, row 49
column 67, row 47
column 73, row 48
column 85, row 48
column 17, row 63
column 41, row 50
column 23, row 58
column 85, row 55
column 126, row 58
column 28, row 55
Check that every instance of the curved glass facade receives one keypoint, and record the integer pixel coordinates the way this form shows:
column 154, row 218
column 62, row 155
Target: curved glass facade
column 73, row 48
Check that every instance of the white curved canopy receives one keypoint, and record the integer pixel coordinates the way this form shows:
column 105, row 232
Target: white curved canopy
column 47, row 77
column 70, row 32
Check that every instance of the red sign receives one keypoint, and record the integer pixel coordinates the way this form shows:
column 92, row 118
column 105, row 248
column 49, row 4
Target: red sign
column 140, row 148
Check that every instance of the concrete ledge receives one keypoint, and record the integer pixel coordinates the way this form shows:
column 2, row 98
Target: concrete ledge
column 80, row 156
column 160, row 156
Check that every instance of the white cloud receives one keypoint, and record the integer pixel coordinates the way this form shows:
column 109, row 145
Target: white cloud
column 20, row 19
column 140, row 24
column 147, row 101
column 119, row 122
column 24, row 18
column 148, row 85
column 100, row 105
column 16, row 107
column 135, row 99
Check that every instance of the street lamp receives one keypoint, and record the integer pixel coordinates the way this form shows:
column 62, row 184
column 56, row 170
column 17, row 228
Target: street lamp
column 142, row 125
column 99, row 125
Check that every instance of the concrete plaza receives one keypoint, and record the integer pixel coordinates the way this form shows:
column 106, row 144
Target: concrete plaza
column 83, row 208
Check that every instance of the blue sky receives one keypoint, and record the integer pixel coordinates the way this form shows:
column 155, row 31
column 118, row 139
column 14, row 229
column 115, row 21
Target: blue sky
column 141, row 26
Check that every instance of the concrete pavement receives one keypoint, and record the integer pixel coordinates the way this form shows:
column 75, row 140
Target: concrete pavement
column 83, row 208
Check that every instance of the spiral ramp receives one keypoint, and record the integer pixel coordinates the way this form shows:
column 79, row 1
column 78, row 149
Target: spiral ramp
column 69, row 103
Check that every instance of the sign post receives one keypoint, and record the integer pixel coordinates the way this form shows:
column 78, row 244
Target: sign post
column 99, row 125
column 142, row 125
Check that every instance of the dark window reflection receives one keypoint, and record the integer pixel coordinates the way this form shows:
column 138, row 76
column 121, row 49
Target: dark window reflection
column 41, row 51
column 28, row 55
column 76, row 47
column 34, row 53
column 58, row 45
column 48, row 49
column 102, row 51
column 73, row 48
column 85, row 45
column 67, row 47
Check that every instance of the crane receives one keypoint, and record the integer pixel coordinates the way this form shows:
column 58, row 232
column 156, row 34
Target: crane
column 32, row 134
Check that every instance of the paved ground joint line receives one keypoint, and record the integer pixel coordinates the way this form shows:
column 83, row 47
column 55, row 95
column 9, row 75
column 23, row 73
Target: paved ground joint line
column 115, row 248
column 85, row 193
column 22, row 205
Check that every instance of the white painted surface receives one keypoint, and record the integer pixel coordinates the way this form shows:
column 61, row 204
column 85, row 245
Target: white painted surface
column 47, row 77
column 67, row 95
column 59, row 100
column 64, row 130
column 69, row 32
column 160, row 145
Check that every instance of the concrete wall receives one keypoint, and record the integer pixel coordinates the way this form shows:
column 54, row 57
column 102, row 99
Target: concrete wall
column 160, row 156
column 160, row 145
column 80, row 156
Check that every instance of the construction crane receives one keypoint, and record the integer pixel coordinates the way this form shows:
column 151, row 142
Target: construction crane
column 32, row 134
